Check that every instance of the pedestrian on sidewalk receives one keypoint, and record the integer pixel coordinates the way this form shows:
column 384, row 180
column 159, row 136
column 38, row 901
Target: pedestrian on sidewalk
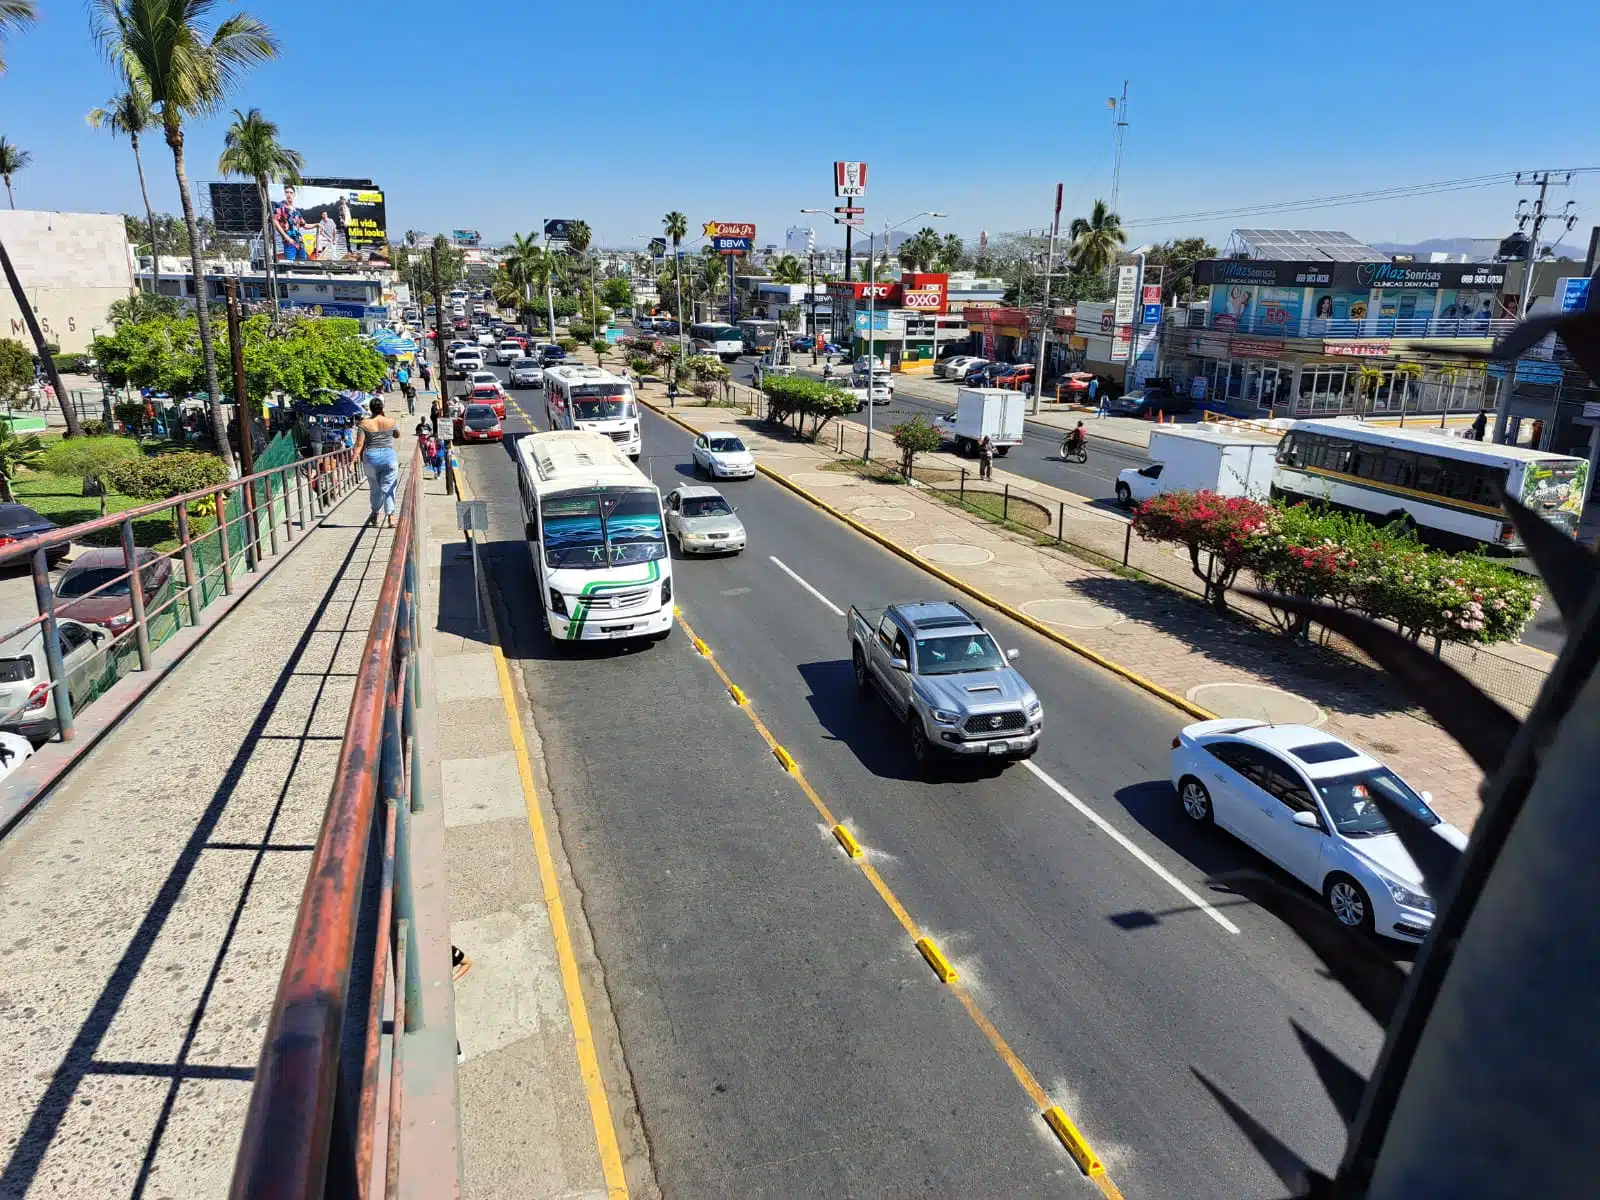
column 1104, row 409
column 672, row 392
column 375, row 446
column 427, row 377
column 1479, row 425
column 985, row 458
column 433, row 417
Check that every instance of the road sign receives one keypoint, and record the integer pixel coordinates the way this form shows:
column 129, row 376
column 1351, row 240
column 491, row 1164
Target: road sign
column 849, row 178
column 730, row 245
column 1573, row 293
column 1152, row 312
column 845, row 208
column 1150, row 293
column 734, row 229
column 849, row 220
column 1127, row 283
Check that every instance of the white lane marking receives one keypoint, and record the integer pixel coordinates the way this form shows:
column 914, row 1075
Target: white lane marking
column 1172, row 881
column 784, row 567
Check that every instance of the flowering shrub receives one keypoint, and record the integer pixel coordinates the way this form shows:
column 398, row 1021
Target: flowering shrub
column 1227, row 529
column 1460, row 598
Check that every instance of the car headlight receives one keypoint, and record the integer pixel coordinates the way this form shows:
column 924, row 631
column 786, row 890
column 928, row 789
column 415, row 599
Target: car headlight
column 945, row 717
column 1407, row 898
column 1034, row 708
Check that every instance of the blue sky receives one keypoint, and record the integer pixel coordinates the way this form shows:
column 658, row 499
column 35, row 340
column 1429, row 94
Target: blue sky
column 617, row 114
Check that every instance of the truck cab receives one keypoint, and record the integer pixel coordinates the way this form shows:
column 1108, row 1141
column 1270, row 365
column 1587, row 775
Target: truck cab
column 942, row 674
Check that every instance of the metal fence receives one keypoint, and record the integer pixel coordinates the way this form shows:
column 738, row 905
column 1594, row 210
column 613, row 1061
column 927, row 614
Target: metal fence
column 243, row 522
column 313, row 1121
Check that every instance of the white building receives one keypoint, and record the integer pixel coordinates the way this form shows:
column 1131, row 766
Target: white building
column 72, row 266
column 365, row 293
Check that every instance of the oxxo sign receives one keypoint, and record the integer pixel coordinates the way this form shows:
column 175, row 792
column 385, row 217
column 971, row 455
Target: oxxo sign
column 929, row 300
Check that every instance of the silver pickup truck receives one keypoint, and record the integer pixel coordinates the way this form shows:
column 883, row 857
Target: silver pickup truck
column 944, row 676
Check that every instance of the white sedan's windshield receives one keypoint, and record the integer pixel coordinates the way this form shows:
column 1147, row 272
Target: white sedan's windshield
column 706, row 506
column 726, row 445
column 1350, row 803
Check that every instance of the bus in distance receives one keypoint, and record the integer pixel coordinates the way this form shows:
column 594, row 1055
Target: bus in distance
column 594, row 527
column 759, row 336
column 1449, row 488
column 713, row 337
column 582, row 397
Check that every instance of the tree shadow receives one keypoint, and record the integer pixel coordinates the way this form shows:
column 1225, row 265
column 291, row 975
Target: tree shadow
column 1325, row 677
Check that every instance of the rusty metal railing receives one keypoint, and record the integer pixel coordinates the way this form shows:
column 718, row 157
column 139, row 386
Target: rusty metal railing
column 312, row 1128
column 274, row 502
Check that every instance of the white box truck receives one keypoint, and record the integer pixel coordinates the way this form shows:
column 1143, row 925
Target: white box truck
column 994, row 413
column 1193, row 458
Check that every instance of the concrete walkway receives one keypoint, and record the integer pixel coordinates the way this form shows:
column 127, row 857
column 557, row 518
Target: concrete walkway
column 145, row 905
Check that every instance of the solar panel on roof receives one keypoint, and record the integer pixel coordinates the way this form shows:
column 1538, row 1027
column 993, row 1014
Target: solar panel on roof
column 1292, row 245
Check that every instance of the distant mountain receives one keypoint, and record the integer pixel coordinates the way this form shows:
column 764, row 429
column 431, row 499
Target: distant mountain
column 1472, row 247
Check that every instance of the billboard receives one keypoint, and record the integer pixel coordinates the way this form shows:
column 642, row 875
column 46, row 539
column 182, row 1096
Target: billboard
column 849, row 178
column 235, row 209
column 465, row 237
column 311, row 223
column 730, row 237
column 555, row 229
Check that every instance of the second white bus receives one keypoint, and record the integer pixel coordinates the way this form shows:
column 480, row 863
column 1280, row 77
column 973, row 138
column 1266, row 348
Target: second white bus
column 1448, row 487
column 713, row 337
column 595, row 400
column 594, row 526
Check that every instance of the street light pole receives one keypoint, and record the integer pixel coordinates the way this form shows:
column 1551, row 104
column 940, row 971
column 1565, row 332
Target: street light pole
column 1044, row 311
column 872, row 315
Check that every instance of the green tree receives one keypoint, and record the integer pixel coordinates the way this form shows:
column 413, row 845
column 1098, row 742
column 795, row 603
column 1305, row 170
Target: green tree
column 1096, row 239
column 128, row 114
column 801, row 398
column 1179, row 257
column 91, row 459
column 142, row 306
column 14, row 14
column 579, row 236
column 251, row 150
column 918, row 251
column 189, row 72
column 952, row 254
column 914, row 437
column 16, row 369
column 16, row 452
column 617, row 293
column 601, row 348
column 676, row 227
column 12, row 160
column 788, row 269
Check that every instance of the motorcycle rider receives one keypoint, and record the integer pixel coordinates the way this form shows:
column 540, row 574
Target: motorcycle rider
column 1075, row 441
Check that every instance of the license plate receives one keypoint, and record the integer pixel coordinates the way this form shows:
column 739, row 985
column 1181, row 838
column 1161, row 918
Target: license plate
column 999, row 747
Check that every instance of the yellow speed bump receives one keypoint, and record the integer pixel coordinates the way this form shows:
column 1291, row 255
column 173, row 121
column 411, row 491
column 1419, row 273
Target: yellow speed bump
column 851, row 846
column 1076, row 1144
column 941, row 968
column 738, row 695
column 702, row 647
column 785, row 758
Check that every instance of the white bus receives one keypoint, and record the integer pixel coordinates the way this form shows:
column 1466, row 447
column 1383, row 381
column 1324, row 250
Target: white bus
column 759, row 336
column 713, row 337
column 588, row 398
column 1448, row 487
column 594, row 526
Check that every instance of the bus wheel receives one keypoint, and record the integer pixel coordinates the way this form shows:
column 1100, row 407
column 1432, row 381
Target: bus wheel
column 1400, row 521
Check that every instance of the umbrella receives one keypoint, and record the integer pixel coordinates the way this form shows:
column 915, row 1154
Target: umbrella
column 345, row 404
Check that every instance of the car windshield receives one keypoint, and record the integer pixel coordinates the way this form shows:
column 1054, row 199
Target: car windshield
column 609, row 527
column 480, row 416
column 955, row 655
column 1350, row 803
column 726, row 445
column 602, row 410
column 81, row 583
column 706, row 506
column 522, row 364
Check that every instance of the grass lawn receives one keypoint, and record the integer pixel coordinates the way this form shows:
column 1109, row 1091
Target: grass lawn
column 61, row 498
column 1019, row 514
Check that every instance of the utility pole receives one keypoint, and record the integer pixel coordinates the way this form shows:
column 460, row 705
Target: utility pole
column 1119, row 126
column 811, row 255
column 247, row 449
column 438, row 326
column 549, row 284
column 848, row 229
column 1531, row 222
column 872, row 314
column 1044, row 310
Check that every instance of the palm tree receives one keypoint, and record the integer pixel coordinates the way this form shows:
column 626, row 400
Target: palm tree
column 251, row 150
column 676, row 226
column 14, row 14
column 951, row 253
column 1095, row 241
column 189, row 73
column 922, row 248
column 788, row 270
column 128, row 113
column 12, row 160
column 579, row 235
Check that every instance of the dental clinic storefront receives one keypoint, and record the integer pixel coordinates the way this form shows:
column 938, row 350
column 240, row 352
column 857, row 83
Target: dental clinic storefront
column 1314, row 339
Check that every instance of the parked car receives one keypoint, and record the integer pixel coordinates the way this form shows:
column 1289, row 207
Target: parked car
column 90, row 589
column 721, row 454
column 1017, row 378
column 702, row 522
column 977, row 374
column 479, row 423
column 18, row 523
column 804, row 342
column 525, row 373
column 26, row 705
column 954, row 367
column 482, row 394
column 942, row 674
column 1156, row 396
column 1304, row 799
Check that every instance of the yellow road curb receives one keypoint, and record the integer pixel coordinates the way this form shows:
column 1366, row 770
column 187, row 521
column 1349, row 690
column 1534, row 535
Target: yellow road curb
column 1181, row 703
column 847, row 840
column 738, row 694
column 1077, row 1146
column 937, row 961
column 784, row 758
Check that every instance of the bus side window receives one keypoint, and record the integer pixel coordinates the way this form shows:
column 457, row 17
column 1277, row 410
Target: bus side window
column 1427, row 473
column 1336, row 456
column 1399, row 468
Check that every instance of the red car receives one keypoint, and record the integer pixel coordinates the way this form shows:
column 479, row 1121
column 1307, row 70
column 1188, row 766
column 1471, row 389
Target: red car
column 489, row 394
column 479, row 423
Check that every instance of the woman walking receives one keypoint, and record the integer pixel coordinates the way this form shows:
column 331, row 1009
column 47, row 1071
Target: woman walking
column 375, row 446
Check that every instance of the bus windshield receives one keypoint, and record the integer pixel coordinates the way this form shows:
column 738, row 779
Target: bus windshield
column 609, row 527
column 601, row 410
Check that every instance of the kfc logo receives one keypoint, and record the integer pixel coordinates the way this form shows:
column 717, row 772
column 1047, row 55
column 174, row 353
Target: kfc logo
column 849, row 178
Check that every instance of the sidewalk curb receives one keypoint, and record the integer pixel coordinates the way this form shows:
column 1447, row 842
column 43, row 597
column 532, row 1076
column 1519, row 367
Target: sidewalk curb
column 1000, row 606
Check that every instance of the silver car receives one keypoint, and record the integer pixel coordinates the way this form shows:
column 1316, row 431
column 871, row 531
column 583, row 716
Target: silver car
column 526, row 373
column 702, row 522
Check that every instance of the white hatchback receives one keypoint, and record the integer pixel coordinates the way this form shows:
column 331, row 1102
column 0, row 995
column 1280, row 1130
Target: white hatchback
column 1303, row 798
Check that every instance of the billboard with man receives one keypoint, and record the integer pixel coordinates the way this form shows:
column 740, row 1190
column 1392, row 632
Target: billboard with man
column 312, row 223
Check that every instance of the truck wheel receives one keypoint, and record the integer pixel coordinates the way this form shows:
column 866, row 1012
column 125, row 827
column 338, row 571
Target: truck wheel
column 859, row 662
column 1124, row 495
column 963, row 447
column 921, row 751
column 1001, row 450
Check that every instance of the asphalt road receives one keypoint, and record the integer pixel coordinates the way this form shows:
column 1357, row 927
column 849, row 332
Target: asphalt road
column 1038, row 458
column 782, row 1034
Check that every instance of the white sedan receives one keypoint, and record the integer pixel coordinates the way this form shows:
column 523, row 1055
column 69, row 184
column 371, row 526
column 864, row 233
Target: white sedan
column 485, row 379
column 1303, row 798
column 722, row 455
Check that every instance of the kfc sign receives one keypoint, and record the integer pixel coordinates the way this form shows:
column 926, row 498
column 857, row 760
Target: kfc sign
column 874, row 291
column 849, row 179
